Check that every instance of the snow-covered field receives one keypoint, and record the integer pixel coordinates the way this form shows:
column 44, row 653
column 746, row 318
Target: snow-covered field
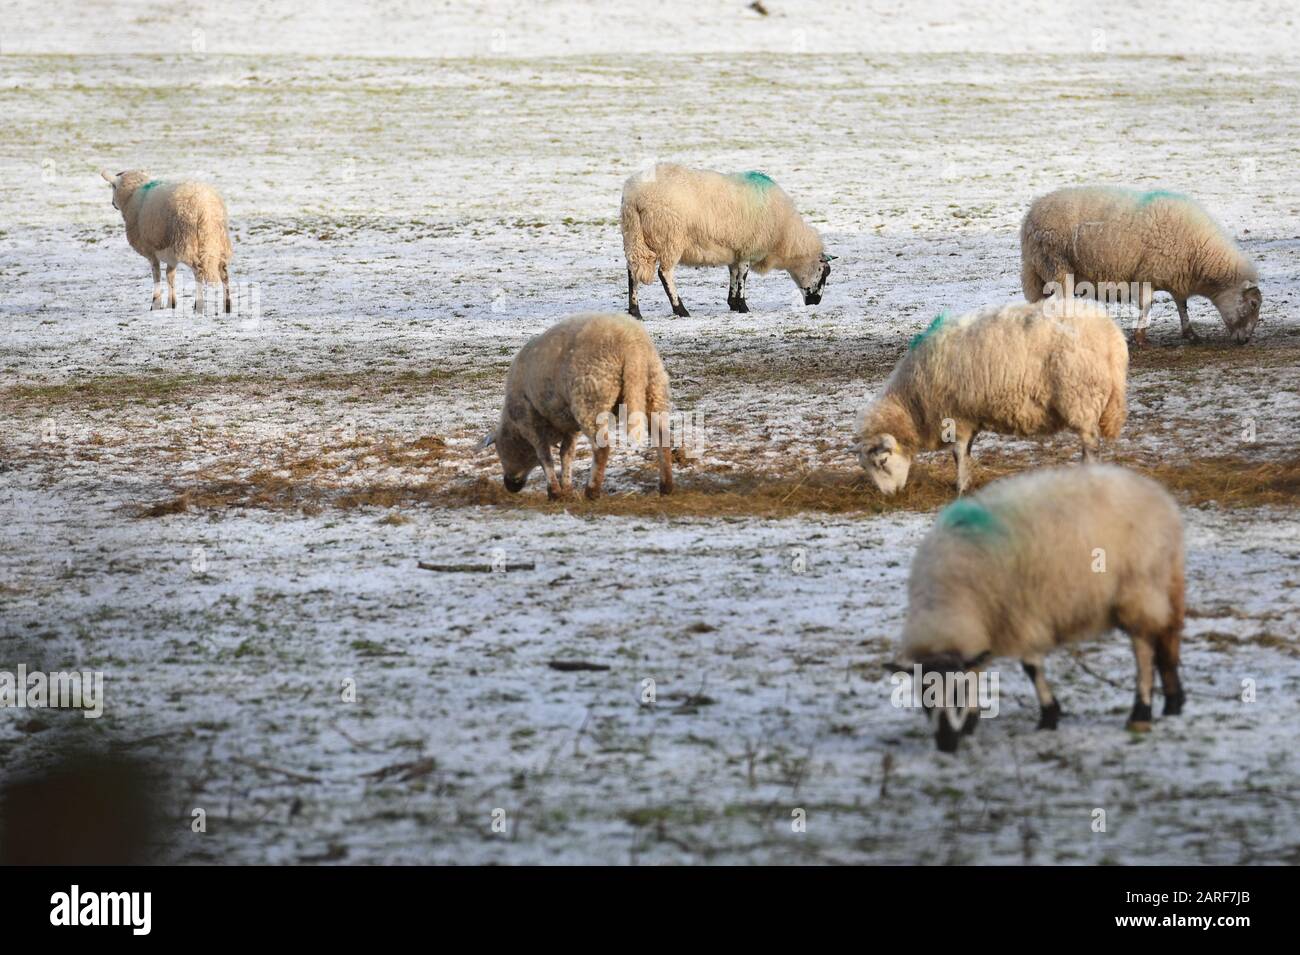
column 224, row 514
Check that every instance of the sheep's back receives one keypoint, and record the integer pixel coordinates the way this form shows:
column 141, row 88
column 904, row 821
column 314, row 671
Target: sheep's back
column 1046, row 556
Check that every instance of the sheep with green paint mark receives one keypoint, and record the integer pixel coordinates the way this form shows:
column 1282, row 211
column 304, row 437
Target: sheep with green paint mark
column 673, row 215
column 175, row 222
column 1038, row 561
column 1124, row 245
column 1011, row 370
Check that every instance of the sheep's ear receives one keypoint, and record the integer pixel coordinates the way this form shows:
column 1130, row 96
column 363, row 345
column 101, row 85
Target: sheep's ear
column 108, row 176
column 978, row 660
column 888, row 443
column 488, row 441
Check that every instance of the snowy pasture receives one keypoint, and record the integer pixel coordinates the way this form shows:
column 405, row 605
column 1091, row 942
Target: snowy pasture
column 224, row 514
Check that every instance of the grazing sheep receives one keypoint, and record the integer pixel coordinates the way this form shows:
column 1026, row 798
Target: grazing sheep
column 1043, row 559
column 674, row 214
column 175, row 222
column 1120, row 244
column 578, row 375
column 1010, row 370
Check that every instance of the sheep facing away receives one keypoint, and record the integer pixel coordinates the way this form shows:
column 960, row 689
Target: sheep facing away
column 578, row 376
column 1039, row 560
column 1125, row 244
column 1010, row 370
column 175, row 222
column 675, row 215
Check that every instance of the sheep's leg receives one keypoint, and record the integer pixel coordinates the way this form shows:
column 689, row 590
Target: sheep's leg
column 598, row 461
column 156, row 303
column 553, row 489
column 670, row 287
column 1188, row 332
column 662, row 438
column 961, row 454
column 633, row 307
column 200, row 293
column 567, row 447
column 1049, row 711
column 1167, row 656
column 1139, row 339
column 1090, row 442
column 736, row 287
column 225, row 284
column 171, row 284
column 1144, row 651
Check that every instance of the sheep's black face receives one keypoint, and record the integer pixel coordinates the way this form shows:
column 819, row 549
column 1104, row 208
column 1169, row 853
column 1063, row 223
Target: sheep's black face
column 955, row 711
column 813, row 295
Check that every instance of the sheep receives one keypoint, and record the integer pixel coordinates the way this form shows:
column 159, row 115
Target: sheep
column 673, row 214
column 175, row 222
column 1120, row 243
column 1036, row 561
column 578, row 376
column 1010, row 370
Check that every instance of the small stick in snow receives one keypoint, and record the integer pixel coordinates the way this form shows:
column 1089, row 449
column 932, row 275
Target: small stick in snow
column 475, row 568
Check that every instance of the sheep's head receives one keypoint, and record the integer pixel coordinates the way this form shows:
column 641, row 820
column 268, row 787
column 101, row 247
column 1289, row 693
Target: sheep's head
column 949, row 694
column 811, row 276
column 124, row 184
column 1239, row 308
column 516, row 455
column 885, row 462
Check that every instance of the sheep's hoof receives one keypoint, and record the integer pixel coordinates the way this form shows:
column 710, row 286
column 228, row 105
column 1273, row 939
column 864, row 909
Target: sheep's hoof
column 1174, row 703
column 1190, row 334
column 591, row 493
column 156, row 305
column 1139, row 340
column 227, row 306
column 665, row 488
column 1050, row 716
column 634, row 311
column 1138, row 726
column 680, row 311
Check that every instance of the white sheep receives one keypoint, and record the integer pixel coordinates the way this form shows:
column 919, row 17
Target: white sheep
column 1010, row 370
column 1039, row 560
column 676, row 215
column 595, row 374
column 175, row 222
column 1123, row 245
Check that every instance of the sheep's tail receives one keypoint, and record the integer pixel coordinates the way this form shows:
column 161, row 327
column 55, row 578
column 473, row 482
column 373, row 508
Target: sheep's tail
column 658, row 408
column 640, row 259
column 1030, row 283
column 1114, row 414
column 214, row 247
column 635, row 382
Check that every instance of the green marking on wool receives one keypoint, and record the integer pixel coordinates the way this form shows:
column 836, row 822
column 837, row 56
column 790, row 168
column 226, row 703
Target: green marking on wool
column 1154, row 194
column 970, row 517
column 757, row 179
column 150, row 184
column 933, row 327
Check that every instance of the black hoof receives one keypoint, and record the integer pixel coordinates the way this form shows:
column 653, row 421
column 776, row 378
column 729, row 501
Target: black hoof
column 680, row 311
column 972, row 721
column 634, row 311
column 1174, row 703
column 1139, row 721
column 945, row 737
column 1050, row 716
